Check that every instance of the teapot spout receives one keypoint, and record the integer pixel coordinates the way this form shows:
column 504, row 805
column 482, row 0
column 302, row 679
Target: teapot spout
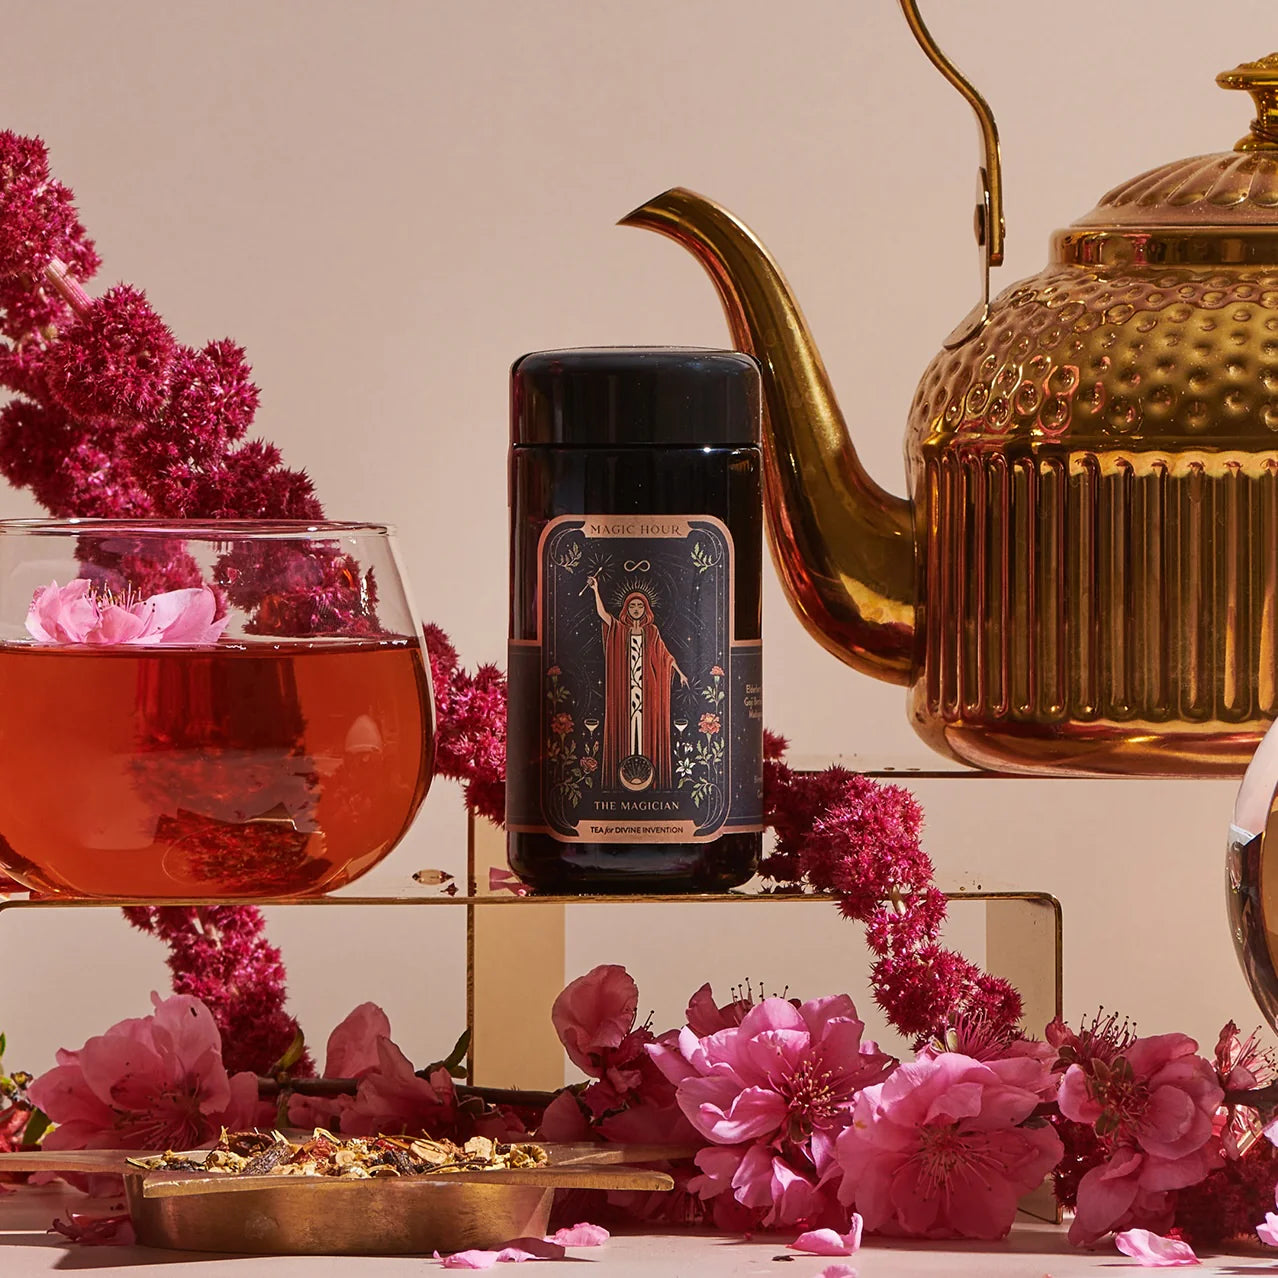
column 843, row 547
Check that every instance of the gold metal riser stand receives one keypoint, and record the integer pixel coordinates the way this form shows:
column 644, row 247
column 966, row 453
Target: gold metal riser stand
column 516, row 952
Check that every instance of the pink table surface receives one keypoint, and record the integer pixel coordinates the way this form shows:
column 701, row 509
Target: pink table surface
column 1034, row 1250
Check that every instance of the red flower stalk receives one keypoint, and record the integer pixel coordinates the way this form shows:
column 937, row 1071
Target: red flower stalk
column 845, row 834
column 117, row 418
column 220, row 955
column 470, row 741
column 114, row 361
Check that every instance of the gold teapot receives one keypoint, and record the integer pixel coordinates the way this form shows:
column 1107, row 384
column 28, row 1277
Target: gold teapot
column 1084, row 576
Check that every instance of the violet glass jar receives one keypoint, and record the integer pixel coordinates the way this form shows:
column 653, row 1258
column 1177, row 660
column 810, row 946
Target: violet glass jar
column 634, row 759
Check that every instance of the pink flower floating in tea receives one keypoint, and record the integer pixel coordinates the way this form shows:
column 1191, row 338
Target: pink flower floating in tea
column 77, row 613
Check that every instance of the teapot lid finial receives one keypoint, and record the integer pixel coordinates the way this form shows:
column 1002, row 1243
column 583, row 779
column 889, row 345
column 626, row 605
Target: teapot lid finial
column 1260, row 79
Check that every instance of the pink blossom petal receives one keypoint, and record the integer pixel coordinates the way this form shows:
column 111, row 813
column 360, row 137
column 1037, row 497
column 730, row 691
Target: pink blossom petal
column 837, row 1271
column 580, row 1235
column 186, row 616
column 352, row 1046
column 96, row 1231
column 1267, row 1230
column 514, row 1253
column 595, row 1013
column 829, row 1242
column 123, row 625
column 563, row 1121
column 1153, row 1250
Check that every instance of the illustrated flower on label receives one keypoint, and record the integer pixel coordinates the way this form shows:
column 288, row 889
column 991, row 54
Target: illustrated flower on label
column 77, row 613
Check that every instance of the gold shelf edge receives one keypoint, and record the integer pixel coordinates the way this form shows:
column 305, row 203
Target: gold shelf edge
column 708, row 898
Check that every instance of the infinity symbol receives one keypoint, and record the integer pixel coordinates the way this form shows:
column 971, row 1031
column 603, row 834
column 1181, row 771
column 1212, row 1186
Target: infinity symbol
column 637, row 565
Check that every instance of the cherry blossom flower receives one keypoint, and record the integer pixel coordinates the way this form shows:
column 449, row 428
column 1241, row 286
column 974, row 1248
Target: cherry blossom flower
column 351, row 1053
column 76, row 613
column 939, row 1150
column 594, row 1015
column 773, row 1093
column 1153, row 1250
column 705, row 1017
column 154, row 1082
column 391, row 1099
column 631, row 1099
column 1155, row 1106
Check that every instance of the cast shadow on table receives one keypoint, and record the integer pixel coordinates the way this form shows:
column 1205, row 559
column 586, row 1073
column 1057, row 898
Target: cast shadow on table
column 78, row 1257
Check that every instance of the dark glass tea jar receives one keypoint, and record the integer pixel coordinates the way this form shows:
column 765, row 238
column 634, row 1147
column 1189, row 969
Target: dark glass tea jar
column 634, row 758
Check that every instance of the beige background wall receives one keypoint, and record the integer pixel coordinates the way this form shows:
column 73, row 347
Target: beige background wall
column 388, row 201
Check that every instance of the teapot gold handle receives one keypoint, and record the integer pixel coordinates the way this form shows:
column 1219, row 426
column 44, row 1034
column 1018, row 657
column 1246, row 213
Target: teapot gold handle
column 990, row 226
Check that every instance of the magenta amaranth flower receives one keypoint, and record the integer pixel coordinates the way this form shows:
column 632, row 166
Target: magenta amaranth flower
column 939, row 1149
column 773, row 1093
column 154, row 1082
column 38, row 221
column 114, row 360
column 219, row 954
column 76, row 613
column 1155, row 1106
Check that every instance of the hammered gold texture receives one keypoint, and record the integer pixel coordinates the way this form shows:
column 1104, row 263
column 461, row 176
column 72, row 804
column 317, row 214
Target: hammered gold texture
column 1172, row 357
column 1096, row 489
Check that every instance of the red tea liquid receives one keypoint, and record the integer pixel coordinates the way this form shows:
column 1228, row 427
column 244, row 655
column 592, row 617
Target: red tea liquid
column 245, row 770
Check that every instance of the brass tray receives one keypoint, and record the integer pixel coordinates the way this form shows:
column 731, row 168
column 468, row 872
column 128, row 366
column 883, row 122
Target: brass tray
column 304, row 1215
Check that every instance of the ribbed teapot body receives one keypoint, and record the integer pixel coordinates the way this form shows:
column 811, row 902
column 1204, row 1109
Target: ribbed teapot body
column 1095, row 480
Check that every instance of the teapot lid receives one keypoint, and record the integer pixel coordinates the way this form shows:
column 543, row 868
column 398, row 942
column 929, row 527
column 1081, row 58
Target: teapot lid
column 1220, row 208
